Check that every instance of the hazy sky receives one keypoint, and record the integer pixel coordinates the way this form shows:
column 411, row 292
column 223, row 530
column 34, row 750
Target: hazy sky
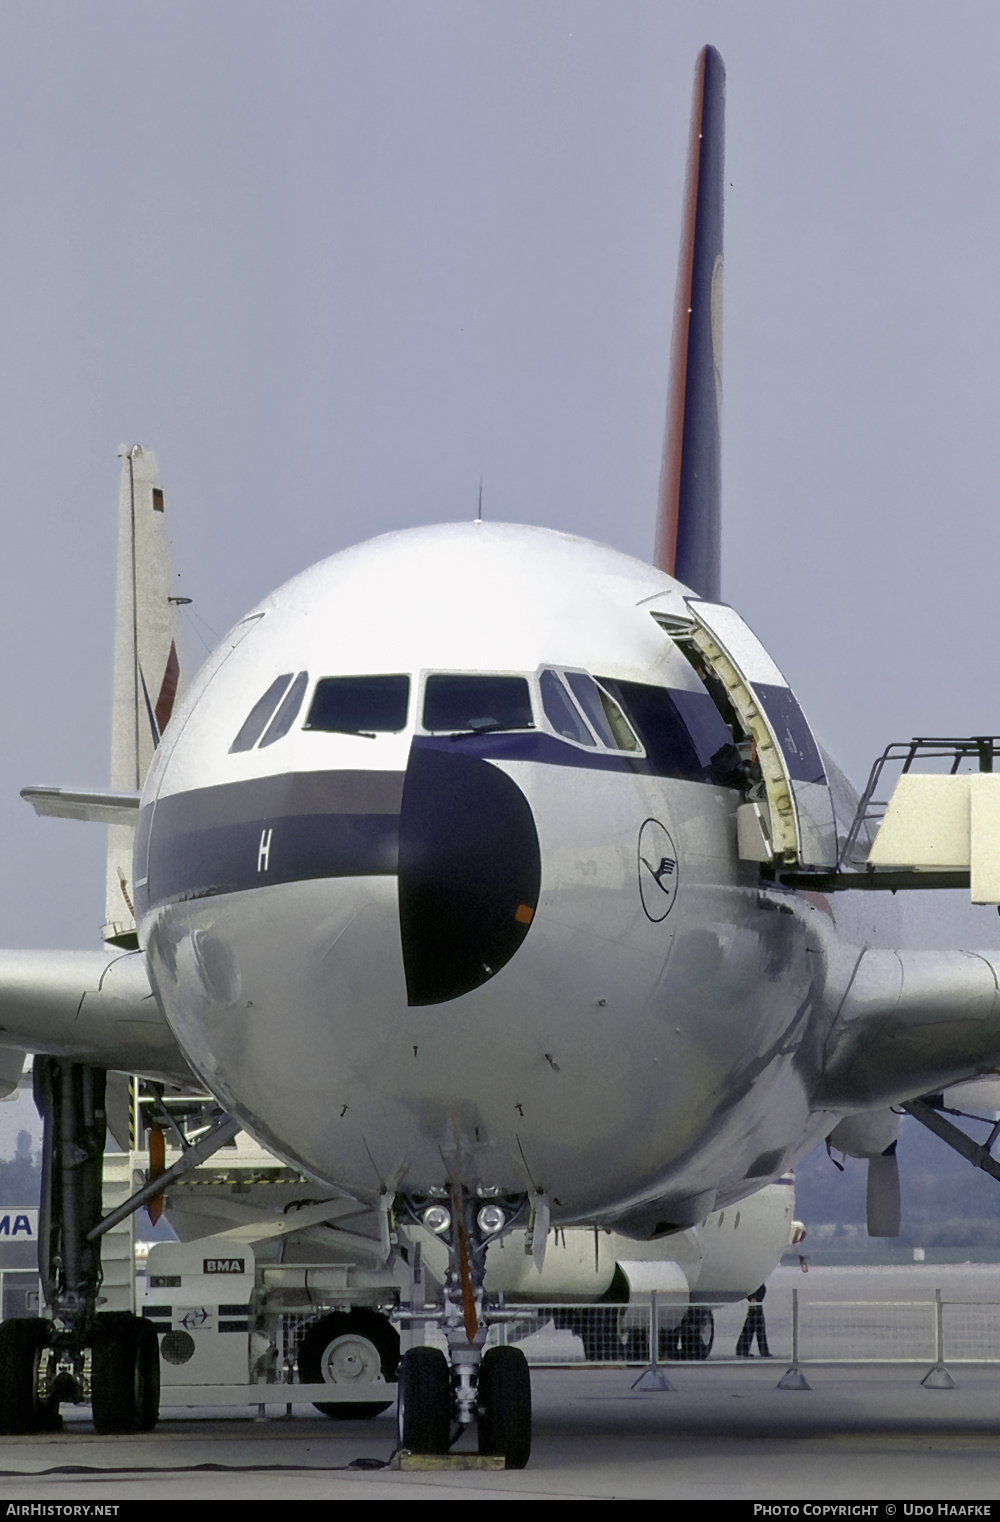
column 333, row 260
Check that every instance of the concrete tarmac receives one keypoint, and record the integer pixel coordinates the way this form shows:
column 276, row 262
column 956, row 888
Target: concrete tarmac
column 725, row 1432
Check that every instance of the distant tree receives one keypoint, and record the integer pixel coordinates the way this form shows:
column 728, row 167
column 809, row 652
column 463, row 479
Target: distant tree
column 946, row 1202
column 21, row 1175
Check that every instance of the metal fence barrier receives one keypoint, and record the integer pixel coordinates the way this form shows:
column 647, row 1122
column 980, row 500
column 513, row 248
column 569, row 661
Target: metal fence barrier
column 933, row 1332
column 921, row 1330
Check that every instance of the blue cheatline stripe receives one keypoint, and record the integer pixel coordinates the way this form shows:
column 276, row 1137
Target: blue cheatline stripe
column 267, row 830
column 297, row 826
column 525, row 745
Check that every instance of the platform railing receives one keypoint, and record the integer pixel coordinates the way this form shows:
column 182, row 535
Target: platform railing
column 946, row 754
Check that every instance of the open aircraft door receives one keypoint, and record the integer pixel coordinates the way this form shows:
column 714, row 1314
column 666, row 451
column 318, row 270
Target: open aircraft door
column 797, row 825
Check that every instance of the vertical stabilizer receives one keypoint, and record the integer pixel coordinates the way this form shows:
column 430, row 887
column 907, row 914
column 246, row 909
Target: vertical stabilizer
column 688, row 537
column 147, row 666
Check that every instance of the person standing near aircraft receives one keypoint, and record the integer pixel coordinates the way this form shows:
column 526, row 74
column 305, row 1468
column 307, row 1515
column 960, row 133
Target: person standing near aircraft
column 754, row 1327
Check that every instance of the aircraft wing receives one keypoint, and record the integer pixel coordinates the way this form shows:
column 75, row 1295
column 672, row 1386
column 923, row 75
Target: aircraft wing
column 910, row 1023
column 88, row 1006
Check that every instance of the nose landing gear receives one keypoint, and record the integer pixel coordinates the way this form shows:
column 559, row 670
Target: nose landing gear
column 441, row 1396
column 424, row 1401
column 505, row 1406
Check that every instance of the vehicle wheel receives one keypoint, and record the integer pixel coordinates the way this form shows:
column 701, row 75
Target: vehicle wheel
column 21, row 1345
column 696, row 1333
column 424, row 1401
column 349, row 1349
column 125, row 1374
column 505, row 1406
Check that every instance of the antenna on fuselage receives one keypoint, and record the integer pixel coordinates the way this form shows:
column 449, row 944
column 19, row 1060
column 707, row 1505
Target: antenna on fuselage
column 479, row 514
column 688, row 526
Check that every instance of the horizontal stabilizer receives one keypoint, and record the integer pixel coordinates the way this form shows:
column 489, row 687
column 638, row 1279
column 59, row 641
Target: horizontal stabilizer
column 99, row 807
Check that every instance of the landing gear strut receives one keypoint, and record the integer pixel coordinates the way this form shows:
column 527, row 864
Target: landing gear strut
column 75, row 1353
column 439, row 1396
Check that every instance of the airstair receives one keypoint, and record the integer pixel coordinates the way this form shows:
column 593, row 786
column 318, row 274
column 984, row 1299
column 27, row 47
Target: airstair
column 938, row 827
column 118, row 1244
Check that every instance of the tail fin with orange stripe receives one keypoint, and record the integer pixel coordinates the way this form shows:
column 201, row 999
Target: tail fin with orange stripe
column 688, row 537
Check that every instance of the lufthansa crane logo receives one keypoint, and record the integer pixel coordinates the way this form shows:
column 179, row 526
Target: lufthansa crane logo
column 657, row 870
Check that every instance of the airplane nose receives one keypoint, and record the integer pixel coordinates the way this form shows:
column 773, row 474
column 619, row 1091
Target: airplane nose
column 469, row 871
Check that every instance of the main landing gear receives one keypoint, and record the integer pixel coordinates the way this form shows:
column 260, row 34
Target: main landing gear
column 440, row 1396
column 76, row 1353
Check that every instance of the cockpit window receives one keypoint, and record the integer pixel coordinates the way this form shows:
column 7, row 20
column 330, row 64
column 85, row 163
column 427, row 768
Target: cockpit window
column 360, row 705
column 253, row 725
column 287, row 710
column 477, row 703
column 560, row 710
column 605, row 717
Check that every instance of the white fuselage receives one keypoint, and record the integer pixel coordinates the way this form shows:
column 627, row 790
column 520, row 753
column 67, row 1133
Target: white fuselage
column 641, row 1037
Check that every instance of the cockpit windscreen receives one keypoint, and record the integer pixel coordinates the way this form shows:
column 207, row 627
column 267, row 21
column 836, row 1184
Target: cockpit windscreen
column 453, row 703
column 360, row 705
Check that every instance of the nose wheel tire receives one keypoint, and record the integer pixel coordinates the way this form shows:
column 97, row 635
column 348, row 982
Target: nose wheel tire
column 22, row 1342
column 505, row 1406
column 424, row 1401
column 125, row 1374
column 350, row 1350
